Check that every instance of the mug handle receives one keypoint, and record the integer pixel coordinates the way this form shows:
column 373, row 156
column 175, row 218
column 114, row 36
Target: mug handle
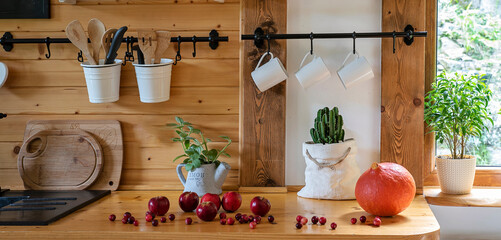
column 347, row 57
column 262, row 57
column 180, row 173
column 306, row 56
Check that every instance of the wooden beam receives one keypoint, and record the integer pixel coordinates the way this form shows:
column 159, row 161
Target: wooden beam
column 262, row 115
column 402, row 88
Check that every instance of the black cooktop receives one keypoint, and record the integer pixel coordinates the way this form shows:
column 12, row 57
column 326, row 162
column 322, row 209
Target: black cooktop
column 36, row 207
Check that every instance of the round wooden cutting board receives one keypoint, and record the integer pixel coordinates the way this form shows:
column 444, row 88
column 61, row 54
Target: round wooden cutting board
column 60, row 160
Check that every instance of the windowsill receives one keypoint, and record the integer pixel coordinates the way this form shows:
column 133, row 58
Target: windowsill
column 479, row 197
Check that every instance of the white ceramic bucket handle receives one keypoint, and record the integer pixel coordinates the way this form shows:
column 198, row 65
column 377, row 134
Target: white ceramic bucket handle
column 306, row 56
column 262, row 57
column 347, row 57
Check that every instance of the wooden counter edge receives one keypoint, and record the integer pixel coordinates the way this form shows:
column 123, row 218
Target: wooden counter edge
column 479, row 197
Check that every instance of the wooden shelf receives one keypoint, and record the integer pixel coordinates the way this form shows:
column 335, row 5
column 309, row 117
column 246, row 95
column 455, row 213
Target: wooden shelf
column 479, row 197
column 91, row 222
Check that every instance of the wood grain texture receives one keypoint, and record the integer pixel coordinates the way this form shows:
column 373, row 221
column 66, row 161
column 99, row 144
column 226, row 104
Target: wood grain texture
column 479, row 197
column 416, row 222
column 129, row 2
column 402, row 89
column 262, row 114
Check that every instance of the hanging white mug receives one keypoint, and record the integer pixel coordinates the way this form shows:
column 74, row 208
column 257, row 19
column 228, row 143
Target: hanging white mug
column 270, row 74
column 357, row 69
column 313, row 72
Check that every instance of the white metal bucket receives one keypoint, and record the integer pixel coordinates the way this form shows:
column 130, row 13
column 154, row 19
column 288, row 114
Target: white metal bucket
column 103, row 81
column 154, row 80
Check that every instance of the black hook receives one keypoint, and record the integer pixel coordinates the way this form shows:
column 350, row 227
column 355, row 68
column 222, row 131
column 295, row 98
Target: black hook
column 268, row 39
column 354, row 37
column 394, row 37
column 47, row 42
column 129, row 55
column 3, row 115
column 194, row 39
column 80, row 56
column 178, row 54
column 311, row 43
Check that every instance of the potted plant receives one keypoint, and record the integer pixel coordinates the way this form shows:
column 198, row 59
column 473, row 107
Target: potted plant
column 456, row 109
column 206, row 174
column 331, row 168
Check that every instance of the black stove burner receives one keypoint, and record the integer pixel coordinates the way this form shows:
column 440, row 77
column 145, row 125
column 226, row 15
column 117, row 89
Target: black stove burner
column 35, row 207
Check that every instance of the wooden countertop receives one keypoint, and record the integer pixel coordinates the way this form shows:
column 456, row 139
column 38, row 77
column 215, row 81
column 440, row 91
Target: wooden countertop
column 91, row 222
column 479, row 197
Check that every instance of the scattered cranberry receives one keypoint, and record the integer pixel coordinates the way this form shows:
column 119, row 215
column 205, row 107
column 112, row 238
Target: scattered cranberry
column 271, row 219
column 322, row 220
column 252, row 225
column 245, row 218
column 222, row 215
column 251, row 218
column 127, row 214
column 377, row 222
column 230, row 221
column 299, row 225
column 172, row 217
column 150, row 213
column 125, row 220
column 314, row 219
column 112, row 217
column 238, row 216
column 304, row 220
column 222, row 221
column 298, row 218
column 131, row 220
column 257, row 219
column 241, row 220
column 136, row 223
column 333, row 226
column 188, row 221
column 163, row 219
column 154, row 222
column 353, row 220
column 148, row 218
column 363, row 219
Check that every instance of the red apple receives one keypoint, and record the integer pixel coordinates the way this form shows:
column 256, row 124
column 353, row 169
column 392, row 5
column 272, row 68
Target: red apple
column 159, row 205
column 260, row 206
column 231, row 201
column 188, row 201
column 209, row 197
column 207, row 211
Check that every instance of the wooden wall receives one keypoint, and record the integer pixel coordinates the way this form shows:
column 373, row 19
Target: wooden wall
column 205, row 89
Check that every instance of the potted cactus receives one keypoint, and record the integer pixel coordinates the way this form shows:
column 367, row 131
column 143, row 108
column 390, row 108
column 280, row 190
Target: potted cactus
column 331, row 168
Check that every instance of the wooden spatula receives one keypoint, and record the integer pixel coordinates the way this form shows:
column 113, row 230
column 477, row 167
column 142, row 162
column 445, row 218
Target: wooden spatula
column 163, row 41
column 148, row 44
column 96, row 31
column 106, row 40
column 77, row 36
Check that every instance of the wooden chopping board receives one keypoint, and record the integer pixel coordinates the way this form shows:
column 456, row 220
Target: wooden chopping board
column 60, row 160
column 108, row 134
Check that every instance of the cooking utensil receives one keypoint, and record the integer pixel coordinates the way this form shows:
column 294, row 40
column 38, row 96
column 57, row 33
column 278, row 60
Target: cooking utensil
column 96, row 31
column 163, row 41
column 107, row 38
column 60, row 160
column 109, row 135
column 77, row 36
column 140, row 55
column 115, row 45
column 148, row 44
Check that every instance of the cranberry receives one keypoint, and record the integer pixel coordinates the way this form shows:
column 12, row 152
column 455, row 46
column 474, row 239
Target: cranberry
column 127, row 214
column 298, row 218
column 172, row 217
column 222, row 221
column 148, row 218
column 125, row 220
column 241, row 220
column 131, row 220
column 136, row 223
column 322, row 220
column 314, row 219
column 353, row 220
column 112, row 217
column 299, row 225
column 377, row 222
column 230, row 221
column 150, row 213
column 154, row 222
column 363, row 219
column 222, row 215
column 238, row 216
column 245, row 218
column 252, row 225
column 271, row 219
column 304, row 220
column 163, row 219
column 257, row 219
column 188, row 221
column 251, row 218
column 333, row 226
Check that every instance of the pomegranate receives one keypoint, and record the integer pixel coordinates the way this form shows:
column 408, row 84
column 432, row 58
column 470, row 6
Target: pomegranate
column 385, row 189
column 209, row 197
column 231, row 201
column 260, row 206
column 188, row 201
column 159, row 205
column 207, row 211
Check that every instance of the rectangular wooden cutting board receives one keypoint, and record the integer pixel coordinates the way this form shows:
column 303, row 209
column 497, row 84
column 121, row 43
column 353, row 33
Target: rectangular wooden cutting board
column 109, row 135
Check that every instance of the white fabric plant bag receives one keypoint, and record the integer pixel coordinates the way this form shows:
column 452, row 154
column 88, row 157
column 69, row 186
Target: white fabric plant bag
column 331, row 170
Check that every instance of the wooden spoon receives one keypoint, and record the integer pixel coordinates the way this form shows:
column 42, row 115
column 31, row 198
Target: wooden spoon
column 77, row 36
column 96, row 31
column 163, row 41
column 107, row 38
column 148, row 44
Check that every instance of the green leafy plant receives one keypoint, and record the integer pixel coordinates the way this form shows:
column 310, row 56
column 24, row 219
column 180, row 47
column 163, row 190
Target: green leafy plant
column 196, row 151
column 457, row 108
column 328, row 126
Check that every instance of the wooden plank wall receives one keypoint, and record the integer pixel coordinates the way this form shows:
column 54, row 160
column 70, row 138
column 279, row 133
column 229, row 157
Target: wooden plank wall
column 205, row 89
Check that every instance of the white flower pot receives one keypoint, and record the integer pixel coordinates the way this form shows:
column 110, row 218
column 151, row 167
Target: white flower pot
column 456, row 175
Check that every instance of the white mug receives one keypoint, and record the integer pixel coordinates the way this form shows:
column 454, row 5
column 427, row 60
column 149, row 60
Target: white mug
column 315, row 71
column 358, row 69
column 270, row 74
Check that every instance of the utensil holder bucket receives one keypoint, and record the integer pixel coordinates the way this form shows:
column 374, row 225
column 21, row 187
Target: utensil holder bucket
column 103, row 81
column 154, row 80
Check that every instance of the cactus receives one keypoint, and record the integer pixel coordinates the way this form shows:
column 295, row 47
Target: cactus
column 328, row 127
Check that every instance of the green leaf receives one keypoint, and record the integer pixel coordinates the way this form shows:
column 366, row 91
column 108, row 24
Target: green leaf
column 180, row 156
column 179, row 120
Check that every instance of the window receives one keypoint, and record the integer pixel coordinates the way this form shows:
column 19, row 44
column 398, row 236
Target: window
column 469, row 41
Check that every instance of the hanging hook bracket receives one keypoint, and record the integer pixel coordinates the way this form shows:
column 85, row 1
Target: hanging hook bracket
column 178, row 54
column 354, row 37
column 47, row 43
column 7, row 46
column 409, row 39
column 194, row 39
column 311, row 43
column 259, row 37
